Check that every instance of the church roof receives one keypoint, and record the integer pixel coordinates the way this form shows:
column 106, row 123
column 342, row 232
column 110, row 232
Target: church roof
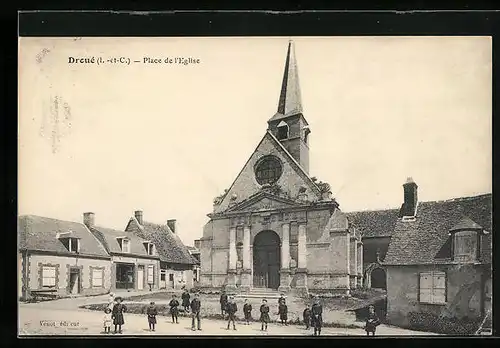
column 290, row 102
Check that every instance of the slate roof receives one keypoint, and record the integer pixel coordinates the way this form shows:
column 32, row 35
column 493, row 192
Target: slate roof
column 40, row 233
column 374, row 223
column 169, row 246
column 109, row 238
column 425, row 240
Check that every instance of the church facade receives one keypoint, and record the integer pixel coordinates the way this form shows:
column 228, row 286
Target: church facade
column 277, row 227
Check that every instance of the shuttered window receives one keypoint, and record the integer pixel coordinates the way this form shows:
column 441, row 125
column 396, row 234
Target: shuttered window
column 432, row 287
column 465, row 246
column 48, row 276
column 97, row 275
column 151, row 274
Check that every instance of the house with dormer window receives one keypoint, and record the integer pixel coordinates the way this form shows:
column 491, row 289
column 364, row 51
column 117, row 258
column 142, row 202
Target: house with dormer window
column 60, row 258
column 135, row 263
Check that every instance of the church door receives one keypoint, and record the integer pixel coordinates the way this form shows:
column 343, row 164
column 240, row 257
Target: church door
column 266, row 260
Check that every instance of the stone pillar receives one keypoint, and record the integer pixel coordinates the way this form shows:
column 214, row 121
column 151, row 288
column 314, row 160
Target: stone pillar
column 231, row 270
column 246, row 272
column 353, row 264
column 360, row 264
column 301, row 272
column 285, row 259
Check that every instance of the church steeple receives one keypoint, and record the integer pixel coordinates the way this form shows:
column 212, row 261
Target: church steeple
column 289, row 124
column 290, row 102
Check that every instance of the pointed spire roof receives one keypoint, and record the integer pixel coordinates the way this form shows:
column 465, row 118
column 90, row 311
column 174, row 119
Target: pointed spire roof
column 290, row 102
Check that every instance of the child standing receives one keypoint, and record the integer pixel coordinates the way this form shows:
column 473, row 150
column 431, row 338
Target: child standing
column 117, row 314
column 283, row 312
column 174, row 310
column 107, row 320
column 372, row 321
column 306, row 315
column 264, row 315
column 231, row 309
column 185, row 300
column 317, row 316
column 247, row 310
column 152, row 312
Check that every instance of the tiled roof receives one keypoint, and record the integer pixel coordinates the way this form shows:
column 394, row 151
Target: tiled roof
column 40, row 233
column 168, row 245
column 109, row 238
column 426, row 240
column 375, row 223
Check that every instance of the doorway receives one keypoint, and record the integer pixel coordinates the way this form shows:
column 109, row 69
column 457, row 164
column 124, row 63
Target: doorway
column 378, row 279
column 266, row 260
column 124, row 276
column 140, row 277
column 74, row 281
column 171, row 280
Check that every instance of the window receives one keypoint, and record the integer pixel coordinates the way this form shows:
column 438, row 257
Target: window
column 283, row 132
column 49, row 276
column 151, row 274
column 124, row 244
column 171, row 277
column 268, row 171
column 432, row 287
column 465, row 246
column 72, row 244
column 149, row 248
column 97, row 275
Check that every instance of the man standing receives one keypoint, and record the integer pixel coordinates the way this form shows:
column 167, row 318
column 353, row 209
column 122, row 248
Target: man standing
column 223, row 303
column 231, row 310
column 317, row 316
column 195, row 312
column 185, row 300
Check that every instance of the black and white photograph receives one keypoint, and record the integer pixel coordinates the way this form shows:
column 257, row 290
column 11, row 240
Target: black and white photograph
column 255, row 186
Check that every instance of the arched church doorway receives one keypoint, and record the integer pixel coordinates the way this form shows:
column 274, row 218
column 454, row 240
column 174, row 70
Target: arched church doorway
column 378, row 279
column 266, row 260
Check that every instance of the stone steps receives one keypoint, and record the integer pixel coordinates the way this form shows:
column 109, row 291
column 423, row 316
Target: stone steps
column 261, row 293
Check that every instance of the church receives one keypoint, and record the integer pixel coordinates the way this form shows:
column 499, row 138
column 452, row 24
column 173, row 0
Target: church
column 276, row 227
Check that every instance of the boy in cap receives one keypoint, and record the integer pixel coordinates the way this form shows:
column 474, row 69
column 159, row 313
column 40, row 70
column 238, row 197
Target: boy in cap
column 174, row 309
column 231, row 310
column 283, row 310
column 195, row 312
column 306, row 315
column 264, row 314
column 247, row 310
column 152, row 312
column 317, row 316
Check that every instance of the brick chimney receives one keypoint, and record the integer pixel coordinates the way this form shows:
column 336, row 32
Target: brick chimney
column 89, row 219
column 171, row 224
column 197, row 244
column 410, row 198
column 138, row 216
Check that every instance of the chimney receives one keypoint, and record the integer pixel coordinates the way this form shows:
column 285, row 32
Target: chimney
column 138, row 216
column 89, row 219
column 171, row 224
column 197, row 244
column 410, row 198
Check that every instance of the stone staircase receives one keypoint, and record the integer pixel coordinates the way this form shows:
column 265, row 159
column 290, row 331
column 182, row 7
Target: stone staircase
column 260, row 293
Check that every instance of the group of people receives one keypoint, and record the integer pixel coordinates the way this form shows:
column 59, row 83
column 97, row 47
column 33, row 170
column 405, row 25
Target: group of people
column 312, row 317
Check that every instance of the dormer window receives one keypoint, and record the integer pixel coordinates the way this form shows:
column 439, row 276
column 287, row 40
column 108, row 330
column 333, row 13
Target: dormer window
column 72, row 244
column 283, row 130
column 124, row 244
column 466, row 241
column 150, row 248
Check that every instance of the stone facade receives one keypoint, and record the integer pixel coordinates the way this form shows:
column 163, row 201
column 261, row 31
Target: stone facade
column 309, row 245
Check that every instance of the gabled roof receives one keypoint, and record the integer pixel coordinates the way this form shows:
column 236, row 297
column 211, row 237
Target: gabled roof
column 466, row 224
column 109, row 238
column 374, row 223
column 40, row 233
column 426, row 239
column 168, row 245
column 290, row 102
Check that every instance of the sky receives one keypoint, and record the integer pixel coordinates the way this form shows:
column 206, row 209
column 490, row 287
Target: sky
column 168, row 138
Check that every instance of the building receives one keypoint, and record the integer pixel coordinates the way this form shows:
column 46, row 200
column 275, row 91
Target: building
column 195, row 253
column 176, row 263
column 439, row 259
column 276, row 226
column 434, row 258
column 134, row 260
column 60, row 258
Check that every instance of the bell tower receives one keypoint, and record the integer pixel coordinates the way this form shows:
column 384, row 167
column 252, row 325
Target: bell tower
column 289, row 125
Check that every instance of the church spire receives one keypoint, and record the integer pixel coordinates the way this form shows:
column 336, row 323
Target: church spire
column 290, row 102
